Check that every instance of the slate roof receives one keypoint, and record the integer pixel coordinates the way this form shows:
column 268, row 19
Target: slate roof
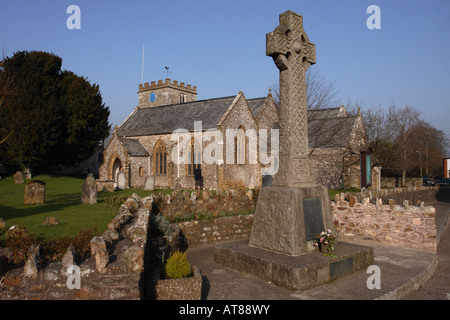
column 134, row 147
column 255, row 105
column 324, row 113
column 330, row 132
column 166, row 119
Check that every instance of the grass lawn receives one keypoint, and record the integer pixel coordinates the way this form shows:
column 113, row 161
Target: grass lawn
column 332, row 192
column 62, row 201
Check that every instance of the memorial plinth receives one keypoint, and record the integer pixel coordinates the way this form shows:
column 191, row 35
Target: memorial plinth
column 287, row 219
column 294, row 272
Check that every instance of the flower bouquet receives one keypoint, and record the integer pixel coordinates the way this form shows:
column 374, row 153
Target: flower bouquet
column 326, row 241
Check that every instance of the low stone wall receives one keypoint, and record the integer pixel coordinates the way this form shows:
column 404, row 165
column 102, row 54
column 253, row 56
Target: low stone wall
column 405, row 225
column 199, row 232
column 393, row 182
column 412, row 194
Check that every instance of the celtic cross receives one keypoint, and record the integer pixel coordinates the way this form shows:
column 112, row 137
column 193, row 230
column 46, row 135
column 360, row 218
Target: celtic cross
column 292, row 53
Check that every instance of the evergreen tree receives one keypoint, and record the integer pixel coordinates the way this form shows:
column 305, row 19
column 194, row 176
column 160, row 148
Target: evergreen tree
column 64, row 117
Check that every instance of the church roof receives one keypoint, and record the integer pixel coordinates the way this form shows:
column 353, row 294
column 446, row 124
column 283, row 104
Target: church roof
column 166, row 119
column 134, row 147
column 255, row 105
column 330, row 132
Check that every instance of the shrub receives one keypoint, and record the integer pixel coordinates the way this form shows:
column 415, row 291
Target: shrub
column 54, row 249
column 177, row 266
column 114, row 202
column 82, row 242
column 19, row 240
column 236, row 186
column 160, row 225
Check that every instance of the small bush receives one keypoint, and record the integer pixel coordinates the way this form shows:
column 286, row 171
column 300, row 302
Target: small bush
column 82, row 242
column 114, row 202
column 19, row 240
column 236, row 186
column 160, row 226
column 177, row 266
column 54, row 249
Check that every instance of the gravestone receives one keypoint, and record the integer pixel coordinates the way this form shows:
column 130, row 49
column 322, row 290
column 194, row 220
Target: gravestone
column 18, row 177
column 121, row 180
column 34, row 192
column 89, row 190
column 149, row 183
column 27, row 172
column 291, row 211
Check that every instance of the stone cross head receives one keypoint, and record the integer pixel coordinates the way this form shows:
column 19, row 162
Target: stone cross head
column 289, row 41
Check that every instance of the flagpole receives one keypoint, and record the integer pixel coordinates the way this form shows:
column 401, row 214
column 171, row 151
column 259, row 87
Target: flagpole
column 142, row 72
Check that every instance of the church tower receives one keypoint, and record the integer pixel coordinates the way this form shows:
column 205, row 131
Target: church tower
column 164, row 93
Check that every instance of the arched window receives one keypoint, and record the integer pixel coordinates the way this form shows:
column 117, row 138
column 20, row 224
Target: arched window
column 160, row 158
column 141, row 172
column 194, row 158
column 240, row 146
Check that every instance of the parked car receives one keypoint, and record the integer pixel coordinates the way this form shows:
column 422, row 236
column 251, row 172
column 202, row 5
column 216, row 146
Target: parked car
column 429, row 182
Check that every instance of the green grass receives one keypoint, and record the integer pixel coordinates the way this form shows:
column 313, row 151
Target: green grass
column 62, row 201
column 332, row 192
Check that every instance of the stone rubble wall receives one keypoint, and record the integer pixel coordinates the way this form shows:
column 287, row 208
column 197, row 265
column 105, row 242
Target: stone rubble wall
column 115, row 268
column 397, row 225
column 412, row 194
column 200, row 232
column 113, row 271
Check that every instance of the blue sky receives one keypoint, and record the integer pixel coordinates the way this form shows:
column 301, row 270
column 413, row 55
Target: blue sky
column 219, row 46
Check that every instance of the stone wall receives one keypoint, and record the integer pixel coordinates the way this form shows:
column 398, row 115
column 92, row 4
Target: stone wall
column 113, row 272
column 397, row 225
column 394, row 182
column 200, row 232
column 412, row 194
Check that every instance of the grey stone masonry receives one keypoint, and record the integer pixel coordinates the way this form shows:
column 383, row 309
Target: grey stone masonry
column 291, row 212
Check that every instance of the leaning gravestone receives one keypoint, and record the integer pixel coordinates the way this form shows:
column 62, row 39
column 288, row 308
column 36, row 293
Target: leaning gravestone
column 121, row 180
column 34, row 192
column 89, row 190
column 149, row 183
column 294, row 209
column 18, row 177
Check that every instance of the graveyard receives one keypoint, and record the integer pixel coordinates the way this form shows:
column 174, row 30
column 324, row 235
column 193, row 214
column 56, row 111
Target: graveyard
column 147, row 228
column 62, row 201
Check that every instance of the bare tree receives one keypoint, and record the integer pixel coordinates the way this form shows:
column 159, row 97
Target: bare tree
column 335, row 130
column 327, row 124
column 319, row 94
column 429, row 145
column 395, row 136
column 406, row 118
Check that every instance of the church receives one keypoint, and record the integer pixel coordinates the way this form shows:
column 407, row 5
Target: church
column 147, row 143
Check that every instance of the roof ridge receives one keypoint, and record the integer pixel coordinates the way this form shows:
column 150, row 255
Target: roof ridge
column 185, row 103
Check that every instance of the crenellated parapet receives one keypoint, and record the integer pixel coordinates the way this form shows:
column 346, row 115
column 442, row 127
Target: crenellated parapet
column 167, row 83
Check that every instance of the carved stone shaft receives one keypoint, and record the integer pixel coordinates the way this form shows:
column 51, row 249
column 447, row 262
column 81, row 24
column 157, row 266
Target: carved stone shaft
column 292, row 53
